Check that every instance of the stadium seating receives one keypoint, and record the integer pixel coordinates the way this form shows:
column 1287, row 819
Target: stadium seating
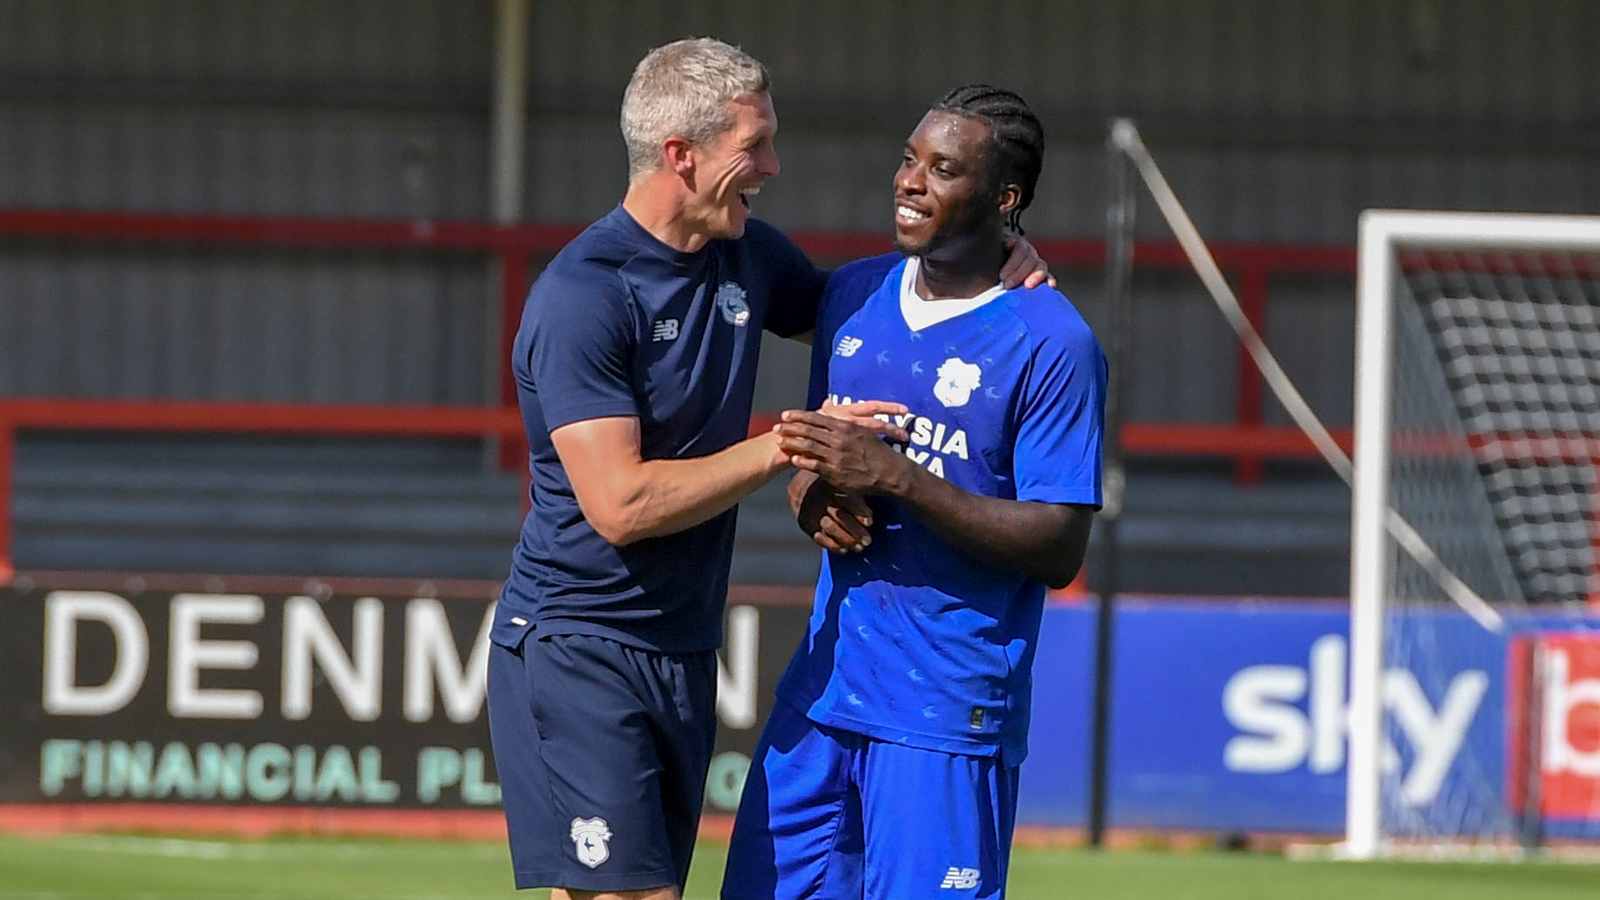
column 430, row 509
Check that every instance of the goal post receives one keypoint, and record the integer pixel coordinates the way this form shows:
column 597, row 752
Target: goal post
column 1474, row 704
column 1477, row 422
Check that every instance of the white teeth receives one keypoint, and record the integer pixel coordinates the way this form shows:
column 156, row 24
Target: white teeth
column 750, row 191
column 906, row 212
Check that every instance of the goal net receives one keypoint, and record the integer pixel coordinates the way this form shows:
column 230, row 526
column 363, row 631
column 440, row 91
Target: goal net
column 1474, row 695
column 1478, row 425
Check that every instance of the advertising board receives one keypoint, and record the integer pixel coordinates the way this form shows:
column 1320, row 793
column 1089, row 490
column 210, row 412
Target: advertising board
column 336, row 700
column 1226, row 714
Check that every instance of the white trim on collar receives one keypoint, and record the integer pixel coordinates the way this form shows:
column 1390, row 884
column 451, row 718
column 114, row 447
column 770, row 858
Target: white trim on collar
column 920, row 313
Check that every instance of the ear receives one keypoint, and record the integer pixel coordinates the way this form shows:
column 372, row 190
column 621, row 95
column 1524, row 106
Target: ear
column 1010, row 198
column 678, row 154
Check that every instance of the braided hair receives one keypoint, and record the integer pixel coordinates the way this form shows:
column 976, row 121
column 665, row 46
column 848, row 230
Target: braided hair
column 1016, row 139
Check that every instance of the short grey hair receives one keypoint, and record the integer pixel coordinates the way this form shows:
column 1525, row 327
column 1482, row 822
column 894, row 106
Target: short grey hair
column 683, row 89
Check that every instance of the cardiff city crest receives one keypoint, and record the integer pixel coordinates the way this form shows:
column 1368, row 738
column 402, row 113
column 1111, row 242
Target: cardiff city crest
column 731, row 302
column 957, row 381
column 590, row 837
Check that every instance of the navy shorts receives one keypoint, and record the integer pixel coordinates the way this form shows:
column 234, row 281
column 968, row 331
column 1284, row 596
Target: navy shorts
column 835, row 815
column 602, row 751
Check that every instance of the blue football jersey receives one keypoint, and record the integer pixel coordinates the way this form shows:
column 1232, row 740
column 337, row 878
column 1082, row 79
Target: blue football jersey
column 913, row 640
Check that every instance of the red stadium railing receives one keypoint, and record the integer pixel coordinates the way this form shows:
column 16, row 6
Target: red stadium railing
column 233, row 418
column 468, row 422
column 1246, row 441
column 1251, row 265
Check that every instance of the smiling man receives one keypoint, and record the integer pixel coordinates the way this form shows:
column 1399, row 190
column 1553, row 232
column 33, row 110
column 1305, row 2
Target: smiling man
column 888, row 767
column 635, row 367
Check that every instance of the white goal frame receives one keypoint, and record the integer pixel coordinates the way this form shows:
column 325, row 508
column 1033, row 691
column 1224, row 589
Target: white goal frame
column 1382, row 233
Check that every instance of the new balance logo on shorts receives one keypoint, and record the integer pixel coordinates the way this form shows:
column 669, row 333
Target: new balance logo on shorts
column 960, row 879
column 665, row 330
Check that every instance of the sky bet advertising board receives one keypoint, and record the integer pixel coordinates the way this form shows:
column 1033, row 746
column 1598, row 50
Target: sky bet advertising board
column 1226, row 714
column 1232, row 715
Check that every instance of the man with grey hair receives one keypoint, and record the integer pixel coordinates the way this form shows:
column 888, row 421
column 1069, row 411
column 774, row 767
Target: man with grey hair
column 683, row 89
column 635, row 367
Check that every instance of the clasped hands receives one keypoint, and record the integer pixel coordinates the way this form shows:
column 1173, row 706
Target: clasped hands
column 842, row 458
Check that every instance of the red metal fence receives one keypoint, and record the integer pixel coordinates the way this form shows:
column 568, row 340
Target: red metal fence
column 1246, row 441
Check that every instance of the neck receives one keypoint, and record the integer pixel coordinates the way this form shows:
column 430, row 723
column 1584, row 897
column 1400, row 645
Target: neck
column 967, row 272
column 657, row 202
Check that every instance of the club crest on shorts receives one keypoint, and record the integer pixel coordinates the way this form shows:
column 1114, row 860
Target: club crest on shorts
column 590, row 837
column 957, row 381
column 730, row 301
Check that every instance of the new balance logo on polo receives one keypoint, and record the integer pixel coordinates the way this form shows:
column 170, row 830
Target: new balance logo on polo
column 959, row 879
column 665, row 330
column 848, row 346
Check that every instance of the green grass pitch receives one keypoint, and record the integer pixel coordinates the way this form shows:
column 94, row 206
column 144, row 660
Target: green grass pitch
column 91, row 867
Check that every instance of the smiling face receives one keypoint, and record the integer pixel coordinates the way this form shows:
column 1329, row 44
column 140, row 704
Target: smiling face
column 733, row 167
column 943, row 195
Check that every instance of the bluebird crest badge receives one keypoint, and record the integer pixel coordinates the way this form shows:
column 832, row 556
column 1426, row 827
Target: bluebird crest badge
column 957, row 380
column 591, row 837
column 732, row 304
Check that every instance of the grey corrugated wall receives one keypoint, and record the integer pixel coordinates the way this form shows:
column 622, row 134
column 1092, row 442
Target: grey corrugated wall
column 356, row 109
column 1275, row 120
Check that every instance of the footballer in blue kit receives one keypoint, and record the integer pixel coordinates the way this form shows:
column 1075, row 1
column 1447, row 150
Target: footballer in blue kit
column 888, row 767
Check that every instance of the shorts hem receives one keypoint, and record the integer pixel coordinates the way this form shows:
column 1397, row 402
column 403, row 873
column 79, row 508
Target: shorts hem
column 892, row 735
column 590, row 881
column 567, row 627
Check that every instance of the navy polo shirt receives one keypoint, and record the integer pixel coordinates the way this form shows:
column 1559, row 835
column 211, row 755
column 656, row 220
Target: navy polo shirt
column 620, row 324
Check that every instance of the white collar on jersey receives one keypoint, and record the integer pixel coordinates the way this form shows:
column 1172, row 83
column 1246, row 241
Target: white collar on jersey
column 920, row 313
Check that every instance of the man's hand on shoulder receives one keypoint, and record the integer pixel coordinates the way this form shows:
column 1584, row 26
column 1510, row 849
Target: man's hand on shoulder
column 1023, row 265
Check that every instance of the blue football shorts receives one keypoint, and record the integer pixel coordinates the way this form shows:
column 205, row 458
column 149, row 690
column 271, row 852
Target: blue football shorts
column 830, row 814
column 601, row 750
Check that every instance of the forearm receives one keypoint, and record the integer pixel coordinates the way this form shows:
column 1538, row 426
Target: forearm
column 664, row 496
column 1044, row 541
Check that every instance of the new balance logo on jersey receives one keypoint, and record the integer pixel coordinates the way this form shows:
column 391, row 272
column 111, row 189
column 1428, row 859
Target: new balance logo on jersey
column 848, row 346
column 960, row 879
column 665, row 330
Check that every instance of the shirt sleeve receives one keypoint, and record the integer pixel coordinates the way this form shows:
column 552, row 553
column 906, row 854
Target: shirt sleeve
column 1062, row 422
column 579, row 350
column 843, row 293
column 796, row 286
column 821, row 353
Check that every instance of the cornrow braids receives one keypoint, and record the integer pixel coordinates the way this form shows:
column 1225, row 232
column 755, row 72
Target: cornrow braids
column 1016, row 139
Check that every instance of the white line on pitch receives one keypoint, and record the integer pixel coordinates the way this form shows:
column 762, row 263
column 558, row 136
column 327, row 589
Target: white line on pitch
column 194, row 849
column 163, row 895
